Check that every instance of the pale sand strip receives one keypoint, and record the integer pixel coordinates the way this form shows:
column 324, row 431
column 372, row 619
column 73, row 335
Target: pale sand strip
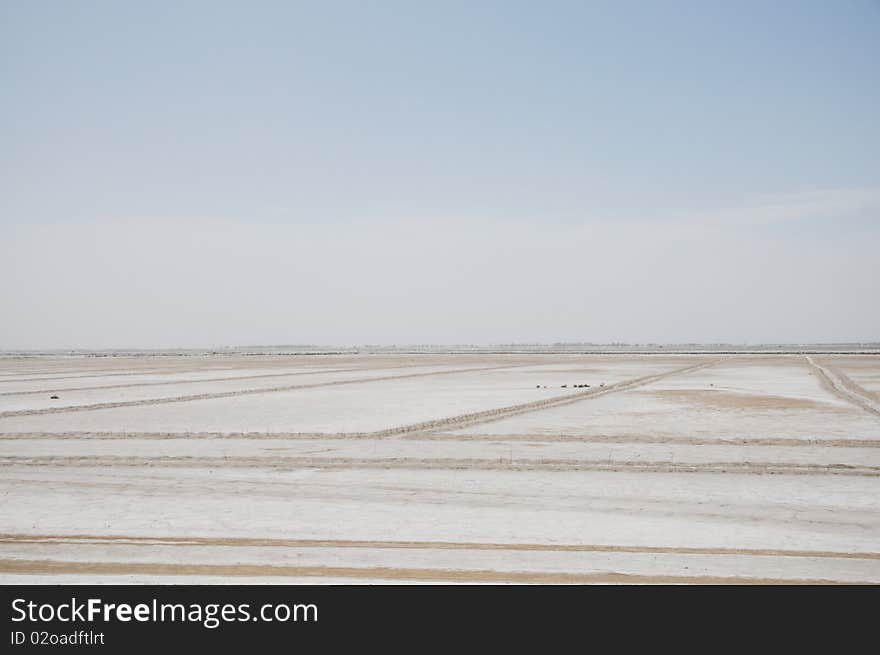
column 452, row 436
column 242, row 542
column 491, row 415
column 501, row 464
column 241, row 392
column 128, row 385
column 42, row 567
column 845, row 388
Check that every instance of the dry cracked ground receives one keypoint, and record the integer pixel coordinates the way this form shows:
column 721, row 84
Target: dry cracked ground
column 453, row 468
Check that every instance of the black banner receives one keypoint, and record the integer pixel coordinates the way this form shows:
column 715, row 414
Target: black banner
column 126, row 618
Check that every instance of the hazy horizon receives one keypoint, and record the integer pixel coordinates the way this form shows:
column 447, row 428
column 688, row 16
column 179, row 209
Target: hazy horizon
column 216, row 174
column 866, row 347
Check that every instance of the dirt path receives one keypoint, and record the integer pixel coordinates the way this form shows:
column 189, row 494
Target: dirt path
column 101, row 373
column 491, row 415
column 627, row 439
column 241, row 392
column 256, row 542
column 845, row 388
column 452, row 436
column 56, row 567
column 276, row 463
column 188, row 381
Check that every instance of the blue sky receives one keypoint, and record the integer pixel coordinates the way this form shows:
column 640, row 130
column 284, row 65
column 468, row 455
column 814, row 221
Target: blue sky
column 755, row 123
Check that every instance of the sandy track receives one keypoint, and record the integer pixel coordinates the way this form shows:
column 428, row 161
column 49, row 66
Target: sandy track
column 429, row 545
column 631, row 438
column 17, row 566
column 129, row 385
column 450, row 436
column 851, row 385
column 241, row 392
column 259, row 376
column 106, row 373
column 490, row 415
column 845, row 388
column 447, row 463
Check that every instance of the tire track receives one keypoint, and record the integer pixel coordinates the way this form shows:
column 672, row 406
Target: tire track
column 75, row 374
column 191, row 381
column 60, row 567
column 492, row 415
column 197, row 380
column 450, row 436
column 852, row 385
column 240, row 392
column 112, row 373
column 837, row 383
column 459, row 421
column 257, row 542
column 638, row 439
column 443, row 463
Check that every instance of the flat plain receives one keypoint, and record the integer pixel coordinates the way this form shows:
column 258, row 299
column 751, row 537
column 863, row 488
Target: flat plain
column 394, row 467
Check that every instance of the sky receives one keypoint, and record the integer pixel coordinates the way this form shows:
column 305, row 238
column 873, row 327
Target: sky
column 205, row 174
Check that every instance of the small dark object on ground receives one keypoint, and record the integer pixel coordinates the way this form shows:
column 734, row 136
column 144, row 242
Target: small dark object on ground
column 53, row 397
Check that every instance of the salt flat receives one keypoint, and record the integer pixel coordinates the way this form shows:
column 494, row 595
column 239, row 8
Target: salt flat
column 709, row 467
